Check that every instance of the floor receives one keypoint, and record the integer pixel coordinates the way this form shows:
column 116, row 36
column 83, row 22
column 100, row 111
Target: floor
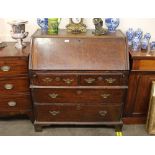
column 25, row 128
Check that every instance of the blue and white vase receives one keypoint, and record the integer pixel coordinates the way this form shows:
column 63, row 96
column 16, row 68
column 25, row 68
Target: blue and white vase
column 147, row 36
column 152, row 46
column 144, row 44
column 112, row 24
column 130, row 35
column 139, row 33
column 43, row 23
column 136, row 44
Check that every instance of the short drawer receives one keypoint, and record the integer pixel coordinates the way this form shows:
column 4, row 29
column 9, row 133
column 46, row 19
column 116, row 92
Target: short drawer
column 74, row 95
column 144, row 65
column 13, row 67
column 72, row 113
column 14, row 85
column 104, row 79
column 15, row 103
column 47, row 79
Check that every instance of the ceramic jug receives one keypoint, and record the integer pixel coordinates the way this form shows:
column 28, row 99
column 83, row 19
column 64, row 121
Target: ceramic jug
column 43, row 23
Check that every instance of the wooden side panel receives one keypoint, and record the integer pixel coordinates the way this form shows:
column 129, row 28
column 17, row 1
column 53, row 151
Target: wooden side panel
column 136, row 106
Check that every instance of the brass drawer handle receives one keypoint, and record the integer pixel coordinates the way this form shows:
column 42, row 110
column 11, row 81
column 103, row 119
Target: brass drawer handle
column 110, row 80
column 103, row 113
column 8, row 86
column 12, row 103
column 53, row 95
column 54, row 113
column 5, row 68
column 68, row 81
column 89, row 80
column 105, row 95
column 47, row 79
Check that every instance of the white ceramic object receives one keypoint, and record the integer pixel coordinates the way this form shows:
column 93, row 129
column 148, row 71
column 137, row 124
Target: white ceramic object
column 18, row 33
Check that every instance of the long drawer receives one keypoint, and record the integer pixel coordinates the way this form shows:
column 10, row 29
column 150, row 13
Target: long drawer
column 13, row 67
column 14, row 85
column 15, row 103
column 72, row 113
column 74, row 95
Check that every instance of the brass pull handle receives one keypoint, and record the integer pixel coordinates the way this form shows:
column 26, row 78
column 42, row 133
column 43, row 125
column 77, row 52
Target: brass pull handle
column 5, row 68
column 8, row 86
column 68, row 81
column 105, row 95
column 110, row 80
column 47, row 79
column 89, row 80
column 12, row 103
column 54, row 113
column 53, row 95
column 78, row 107
column 103, row 113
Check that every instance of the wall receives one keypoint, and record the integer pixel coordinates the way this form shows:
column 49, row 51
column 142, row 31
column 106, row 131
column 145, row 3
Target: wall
column 146, row 24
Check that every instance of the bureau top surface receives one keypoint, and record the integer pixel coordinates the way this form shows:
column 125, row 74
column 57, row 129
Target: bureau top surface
column 84, row 51
column 63, row 34
column 143, row 55
column 11, row 51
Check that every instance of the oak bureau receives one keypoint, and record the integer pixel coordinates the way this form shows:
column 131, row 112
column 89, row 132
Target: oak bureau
column 78, row 79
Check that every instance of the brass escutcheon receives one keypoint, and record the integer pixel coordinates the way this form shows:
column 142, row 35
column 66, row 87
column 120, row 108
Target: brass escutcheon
column 100, row 78
column 78, row 92
column 105, row 95
column 57, row 79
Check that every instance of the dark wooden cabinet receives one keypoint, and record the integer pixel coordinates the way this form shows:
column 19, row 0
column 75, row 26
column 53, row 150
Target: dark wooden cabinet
column 15, row 98
column 141, row 76
column 78, row 79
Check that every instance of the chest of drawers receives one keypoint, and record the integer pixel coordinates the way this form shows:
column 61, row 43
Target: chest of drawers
column 78, row 79
column 15, row 96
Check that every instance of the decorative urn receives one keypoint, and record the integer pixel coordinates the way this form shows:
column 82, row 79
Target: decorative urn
column 18, row 33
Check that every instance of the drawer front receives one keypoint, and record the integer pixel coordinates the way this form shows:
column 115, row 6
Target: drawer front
column 72, row 113
column 53, row 79
column 13, row 67
column 78, row 95
column 15, row 103
column 14, row 85
column 104, row 80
